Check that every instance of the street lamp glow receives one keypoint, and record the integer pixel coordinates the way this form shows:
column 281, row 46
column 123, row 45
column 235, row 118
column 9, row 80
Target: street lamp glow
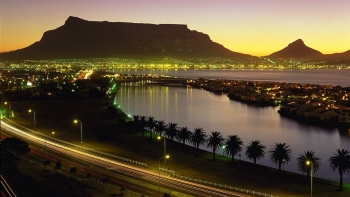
column 30, row 111
column 81, row 131
column 159, row 138
column 9, row 108
column 165, row 158
column 311, row 172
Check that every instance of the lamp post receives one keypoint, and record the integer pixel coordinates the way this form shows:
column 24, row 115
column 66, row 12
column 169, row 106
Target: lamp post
column 8, row 85
column 30, row 111
column 53, row 133
column 81, row 131
column 311, row 172
column 165, row 158
column 164, row 147
column 239, row 158
column 9, row 108
column 0, row 121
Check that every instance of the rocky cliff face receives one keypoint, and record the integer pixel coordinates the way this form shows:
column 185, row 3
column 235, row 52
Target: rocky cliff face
column 79, row 38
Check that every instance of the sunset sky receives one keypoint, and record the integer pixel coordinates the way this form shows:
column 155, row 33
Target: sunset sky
column 246, row 26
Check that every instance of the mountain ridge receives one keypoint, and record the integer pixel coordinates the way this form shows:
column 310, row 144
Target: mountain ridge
column 79, row 38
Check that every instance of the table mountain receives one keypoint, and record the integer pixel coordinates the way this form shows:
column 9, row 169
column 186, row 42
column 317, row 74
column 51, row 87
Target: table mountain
column 79, row 38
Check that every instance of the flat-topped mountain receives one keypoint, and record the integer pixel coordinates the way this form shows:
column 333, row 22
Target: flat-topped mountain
column 79, row 38
column 297, row 49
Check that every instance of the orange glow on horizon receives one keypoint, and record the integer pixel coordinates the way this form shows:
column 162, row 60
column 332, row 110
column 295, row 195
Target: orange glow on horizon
column 250, row 27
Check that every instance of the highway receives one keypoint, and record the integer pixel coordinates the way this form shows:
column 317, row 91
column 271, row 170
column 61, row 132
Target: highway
column 133, row 176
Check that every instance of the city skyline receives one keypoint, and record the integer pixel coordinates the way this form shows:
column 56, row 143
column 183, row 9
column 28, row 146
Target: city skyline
column 255, row 28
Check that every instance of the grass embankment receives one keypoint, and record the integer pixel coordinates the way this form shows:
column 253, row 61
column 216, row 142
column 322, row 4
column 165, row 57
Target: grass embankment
column 59, row 116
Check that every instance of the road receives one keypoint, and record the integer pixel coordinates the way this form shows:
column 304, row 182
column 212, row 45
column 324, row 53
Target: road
column 135, row 175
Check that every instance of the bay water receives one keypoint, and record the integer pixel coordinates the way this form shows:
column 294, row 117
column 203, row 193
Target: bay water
column 194, row 108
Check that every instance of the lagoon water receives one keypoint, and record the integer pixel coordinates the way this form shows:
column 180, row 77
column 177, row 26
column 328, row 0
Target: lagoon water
column 193, row 108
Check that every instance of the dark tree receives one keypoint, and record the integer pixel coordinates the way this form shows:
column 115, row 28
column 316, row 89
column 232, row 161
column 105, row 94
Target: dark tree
column 151, row 124
column 308, row 156
column 280, row 153
column 143, row 124
column 14, row 146
column 58, row 165
column 72, row 171
column 46, row 163
column 233, row 145
column 215, row 140
column 341, row 161
column 105, row 181
column 160, row 127
column 255, row 150
column 198, row 137
column 184, row 134
column 171, row 131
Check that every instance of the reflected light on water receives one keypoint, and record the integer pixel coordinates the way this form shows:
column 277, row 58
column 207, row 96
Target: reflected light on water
column 216, row 112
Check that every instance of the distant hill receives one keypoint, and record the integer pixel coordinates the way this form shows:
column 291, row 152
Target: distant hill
column 297, row 50
column 337, row 56
column 79, row 38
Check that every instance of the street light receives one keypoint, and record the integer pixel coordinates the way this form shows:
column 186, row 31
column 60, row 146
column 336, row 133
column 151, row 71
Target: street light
column 159, row 138
column 9, row 108
column 30, row 111
column 0, row 122
column 8, row 85
column 81, row 131
column 165, row 158
column 311, row 172
column 53, row 133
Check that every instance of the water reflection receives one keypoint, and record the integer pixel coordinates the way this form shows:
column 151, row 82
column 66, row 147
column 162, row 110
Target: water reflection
column 216, row 112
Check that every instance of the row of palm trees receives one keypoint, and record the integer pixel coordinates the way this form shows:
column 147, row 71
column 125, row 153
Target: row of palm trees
column 280, row 153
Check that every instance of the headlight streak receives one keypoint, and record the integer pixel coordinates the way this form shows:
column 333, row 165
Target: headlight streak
column 122, row 168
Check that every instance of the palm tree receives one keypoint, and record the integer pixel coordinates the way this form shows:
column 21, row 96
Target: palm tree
column 136, row 122
column 340, row 160
column 151, row 123
column 280, row 153
column 308, row 156
column 143, row 123
column 215, row 140
column 136, row 118
column 233, row 145
column 184, row 134
column 198, row 137
column 255, row 150
column 160, row 127
column 171, row 131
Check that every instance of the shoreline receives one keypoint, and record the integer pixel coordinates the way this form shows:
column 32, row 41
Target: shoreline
column 183, row 160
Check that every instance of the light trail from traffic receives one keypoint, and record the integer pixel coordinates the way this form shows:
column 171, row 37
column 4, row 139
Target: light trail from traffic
column 133, row 174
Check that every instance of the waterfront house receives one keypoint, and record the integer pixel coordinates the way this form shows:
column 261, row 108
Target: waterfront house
column 344, row 116
column 329, row 115
column 314, row 113
column 303, row 109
